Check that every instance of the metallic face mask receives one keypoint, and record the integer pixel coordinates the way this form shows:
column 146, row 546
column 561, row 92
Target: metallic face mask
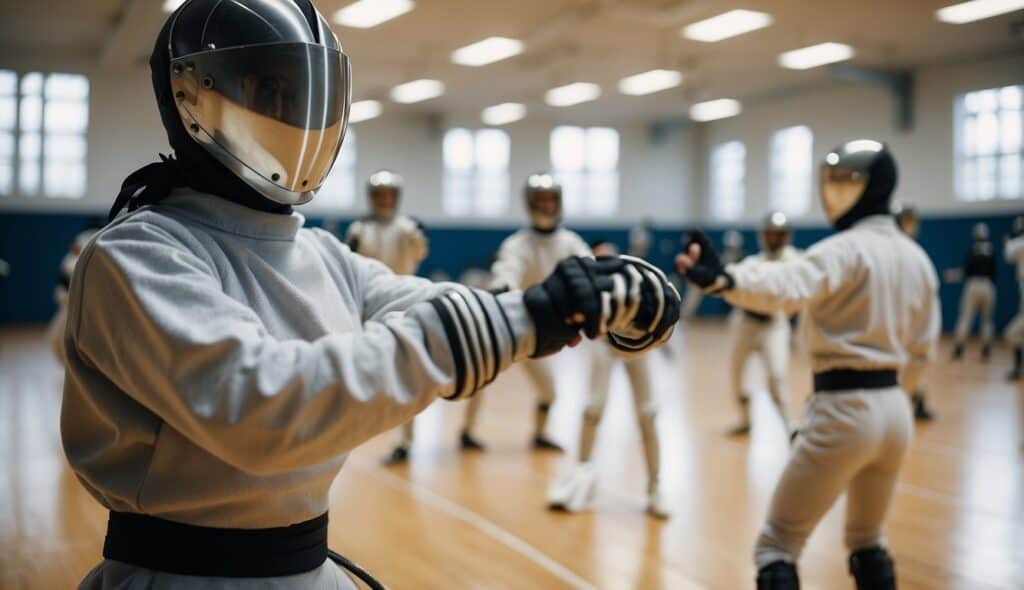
column 840, row 190
column 272, row 111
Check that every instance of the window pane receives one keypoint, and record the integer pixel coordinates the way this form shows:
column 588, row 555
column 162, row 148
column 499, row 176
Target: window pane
column 66, row 117
column 792, row 169
column 458, row 150
column 1010, row 177
column 1010, row 98
column 458, row 194
column 602, row 149
column 567, row 149
column 1010, row 131
column 492, row 194
column 573, row 193
column 970, row 136
column 728, row 171
column 31, row 114
column 30, row 146
column 988, row 133
column 986, row 178
column 8, row 106
column 70, row 87
column 28, row 177
column 8, row 83
column 988, row 100
column 65, row 148
column 492, row 150
column 64, row 180
column 972, row 102
column 32, row 84
column 6, row 179
column 603, row 193
column 6, row 147
column 969, row 180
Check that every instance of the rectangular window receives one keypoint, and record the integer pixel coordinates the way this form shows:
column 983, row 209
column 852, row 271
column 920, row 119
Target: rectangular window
column 792, row 170
column 989, row 146
column 476, row 177
column 586, row 162
column 44, row 119
column 340, row 187
column 728, row 180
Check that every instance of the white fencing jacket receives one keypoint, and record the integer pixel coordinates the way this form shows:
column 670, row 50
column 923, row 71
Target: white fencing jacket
column 528, row 256
column 397, row 242
column 223, row 361
column 870, row 293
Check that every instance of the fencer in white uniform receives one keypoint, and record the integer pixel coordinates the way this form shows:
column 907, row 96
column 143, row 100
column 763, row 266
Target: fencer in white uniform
column 978, row 299
column 870, row 296
column 222, row 361
column 574, row 490
column 396, row 240
column 1013, row 252
column 525, row 258
column 767, row 335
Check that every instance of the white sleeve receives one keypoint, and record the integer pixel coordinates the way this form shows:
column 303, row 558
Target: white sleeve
column 787, row 286
column 205, row 363
column 1013, row 250
column 510, row 266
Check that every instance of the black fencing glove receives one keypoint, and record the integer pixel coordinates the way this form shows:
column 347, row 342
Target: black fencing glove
column 558, row 305
column 657, row 312
column 709, row 272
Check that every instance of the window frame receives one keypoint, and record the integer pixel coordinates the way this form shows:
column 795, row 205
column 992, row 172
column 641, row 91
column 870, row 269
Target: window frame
column 970, row 186
column 783, row 174
column 590, row 190
column 715, row 183
column 463, row 187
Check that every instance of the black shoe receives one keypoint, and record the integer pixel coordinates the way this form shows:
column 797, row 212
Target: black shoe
column 986, row 352
column 921, row 410
column 873, row 569
column 778, row 575
column 1018, row 361
column 397, row 457
column 542, row 443
column 958, row 352
column 468, row 443
column 1014, row 375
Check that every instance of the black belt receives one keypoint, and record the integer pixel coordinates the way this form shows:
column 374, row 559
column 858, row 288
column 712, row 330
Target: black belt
column 176, row 548
column 757, row 317
column 846, row 379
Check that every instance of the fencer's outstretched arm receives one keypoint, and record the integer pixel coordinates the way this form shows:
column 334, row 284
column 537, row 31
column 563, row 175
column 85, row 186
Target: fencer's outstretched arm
column 787, row 286
column 205, row 363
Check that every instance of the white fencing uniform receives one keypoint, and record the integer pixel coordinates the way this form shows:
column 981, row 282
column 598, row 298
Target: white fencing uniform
column 871, row 302
column 1013, row 251
column 768, row 335
column 524, row 259
column 398, row 242
column 223, row 362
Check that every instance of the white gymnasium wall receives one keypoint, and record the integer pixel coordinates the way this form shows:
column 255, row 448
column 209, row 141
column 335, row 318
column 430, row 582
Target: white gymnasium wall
column 841, row 111
column 125, row 133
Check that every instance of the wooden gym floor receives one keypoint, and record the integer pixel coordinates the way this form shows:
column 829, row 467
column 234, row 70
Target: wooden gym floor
column 479, row 521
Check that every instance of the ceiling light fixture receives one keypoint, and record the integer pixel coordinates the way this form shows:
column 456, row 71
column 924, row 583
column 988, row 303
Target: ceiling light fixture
column 364, row 110
column 815, row 55
column 366, row 14
column 967, row 12
column 726, row 25
column 715, row 109
column 650, row 82
column 488, row 51
column 572, row 94
column 503, row 114
column 417, row 91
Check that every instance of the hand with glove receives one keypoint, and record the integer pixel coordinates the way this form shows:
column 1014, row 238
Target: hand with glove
column 700, row 264
column 623, row 297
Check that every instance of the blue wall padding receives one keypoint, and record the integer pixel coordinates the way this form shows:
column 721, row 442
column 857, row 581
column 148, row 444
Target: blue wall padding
column 34, row 243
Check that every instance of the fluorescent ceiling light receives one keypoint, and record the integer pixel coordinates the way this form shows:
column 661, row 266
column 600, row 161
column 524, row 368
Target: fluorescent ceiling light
column 366, row 14
column 967, row 12
column 364, row 110
column 572, row 94
column 503, row 114
column 715, row 109
column 172, row 5
column 650, row 82
column 729, row 24
column 417, row 91
column 488, row 51
column 815, row 55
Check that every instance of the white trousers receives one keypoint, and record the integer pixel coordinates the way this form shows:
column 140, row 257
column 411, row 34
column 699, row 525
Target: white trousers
column 770, row 340
column 114, row 575
column 978, row 299
column 854, row 441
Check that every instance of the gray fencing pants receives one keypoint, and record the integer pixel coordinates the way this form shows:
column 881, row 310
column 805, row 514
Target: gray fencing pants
column 978, row 299
column 1015, row 330
column 771, row 340
column 854, row 441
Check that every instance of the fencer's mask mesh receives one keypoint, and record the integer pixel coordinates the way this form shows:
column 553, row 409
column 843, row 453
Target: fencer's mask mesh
column 262, row 90
column 382, row 184
column 776, row 233
column 857, row 180
column 980, row 232
column 541, row 187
